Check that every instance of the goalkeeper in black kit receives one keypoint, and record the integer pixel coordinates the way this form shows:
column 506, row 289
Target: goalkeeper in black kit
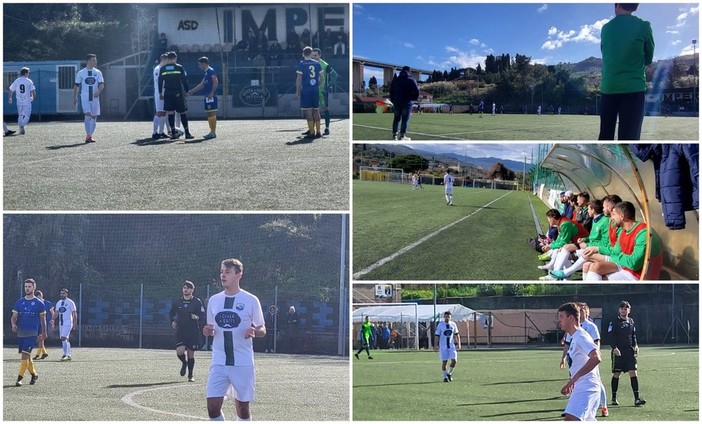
column 187, row 318
column 622, row 339
column 172, row 87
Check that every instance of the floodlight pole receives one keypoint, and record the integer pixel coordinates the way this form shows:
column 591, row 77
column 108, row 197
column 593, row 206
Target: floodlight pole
column 694, row 59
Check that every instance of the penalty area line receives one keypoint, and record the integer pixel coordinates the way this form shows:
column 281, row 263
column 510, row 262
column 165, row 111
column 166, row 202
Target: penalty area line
column 411, row 246
column 128, row 399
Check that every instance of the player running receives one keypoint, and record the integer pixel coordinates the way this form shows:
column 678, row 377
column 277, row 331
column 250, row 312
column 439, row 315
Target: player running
column 310, row 76
column 91, row 84
column 448, row 343
column 187, row 317
column 25, row 91
column 28, row 315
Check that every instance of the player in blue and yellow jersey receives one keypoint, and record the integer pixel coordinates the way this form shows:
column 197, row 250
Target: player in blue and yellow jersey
column 329, row 76
column 310, row 76
column 208, row 85
column 27, row 315
column 50, row 312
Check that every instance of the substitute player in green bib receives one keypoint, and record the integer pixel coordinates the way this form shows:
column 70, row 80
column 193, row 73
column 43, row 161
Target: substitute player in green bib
column 366, row 334
column 330, row 76
column 28, row 315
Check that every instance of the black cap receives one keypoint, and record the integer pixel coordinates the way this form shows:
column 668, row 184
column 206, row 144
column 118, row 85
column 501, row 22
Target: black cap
column 624, row 304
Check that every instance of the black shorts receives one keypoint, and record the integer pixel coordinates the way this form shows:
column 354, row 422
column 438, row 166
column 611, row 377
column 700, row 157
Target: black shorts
column 625, row 362
column 189, row 339
column 174, row 103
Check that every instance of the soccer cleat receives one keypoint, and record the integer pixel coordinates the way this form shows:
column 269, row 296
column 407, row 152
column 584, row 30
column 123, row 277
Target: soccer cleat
column 306, row 132
column 370, row 357
column 547, row 278
column 183, row 369
column 403, row 138
column 545, row 267
column 191, row 379
column 450, row 378
column 209, row 136
column 19, row 381
column 544, row 257
column 318, row 135
column 36, row 357
column 394, row 137
column 356, row 355
column 163, row 135
column 614, row 402
column 558, row 274
column 64, row 358
column 21, row 130
column 189, row 136
column 34, row 379
column 639, row 402
column 309, row 135
column 155, row 136
column 44, row 356
column 605, row 412
column 9, row 132
column 326, row 131
column 446, row 380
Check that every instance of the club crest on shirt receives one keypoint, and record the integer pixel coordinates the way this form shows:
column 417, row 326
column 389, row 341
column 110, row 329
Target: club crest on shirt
column 90, row 80
column 239, row 306
column 62, row 309
column 228, row 319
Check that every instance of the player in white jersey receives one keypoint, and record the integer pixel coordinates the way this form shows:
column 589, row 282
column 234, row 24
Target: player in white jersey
column 584, row 356
column 90, row 82
column 448, row 187
column 67, row 317
column 160, row 116
column 234, row 318
column 25, row 91
column 448, row 343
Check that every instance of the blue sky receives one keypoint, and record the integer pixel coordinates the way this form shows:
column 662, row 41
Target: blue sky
column 515, row 152
column 442, row 36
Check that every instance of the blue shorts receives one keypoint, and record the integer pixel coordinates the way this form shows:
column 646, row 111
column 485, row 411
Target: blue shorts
column 210, row 104
column 309, row 98
column 26, row 344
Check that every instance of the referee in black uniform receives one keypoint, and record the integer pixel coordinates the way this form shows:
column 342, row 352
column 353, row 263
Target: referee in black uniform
column 187, row 318
column 172, row 86
column 622, row 339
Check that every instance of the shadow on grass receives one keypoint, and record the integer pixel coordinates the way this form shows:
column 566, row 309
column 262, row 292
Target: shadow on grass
column 404, row 383
column 523, row 382
column 540, row 411
column 506, row 402
column 151, row 142
column 301, row 140
column 120, row 386
column 65, row 146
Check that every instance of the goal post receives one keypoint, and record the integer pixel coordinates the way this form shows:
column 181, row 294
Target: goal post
column 372, row 173
column 402, row 317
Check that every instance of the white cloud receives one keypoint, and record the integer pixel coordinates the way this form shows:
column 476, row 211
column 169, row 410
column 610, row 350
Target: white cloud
column 587, row 34
column 676, row 42
column 458, row 59
column 540, row 60
column 474, row 41
column 688, row 50
column 419, row 57
column 543, row 8
column 670, row 31
column 409, row 45
column 358, row 8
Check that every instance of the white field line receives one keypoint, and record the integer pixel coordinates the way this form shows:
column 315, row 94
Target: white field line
column 128, row 399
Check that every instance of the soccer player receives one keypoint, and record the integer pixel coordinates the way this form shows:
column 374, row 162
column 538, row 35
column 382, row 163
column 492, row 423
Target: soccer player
column 493, row 108
column 625, row 260
column 366, row 335
column 28, row 315
column 50, row 313
column 160, row 116
column 209, row 86
column 569, row 231
column 481, row 108
column 583, row 387
column 234, row 318
column 329, row 77
column 24, row 89
column 448, row 343
column 172, row 88
column 91, row 84
column 310, row 77
column 625, row 347
column 67, row 318
column 448, row 187
column 627, row 48
column 187, row 317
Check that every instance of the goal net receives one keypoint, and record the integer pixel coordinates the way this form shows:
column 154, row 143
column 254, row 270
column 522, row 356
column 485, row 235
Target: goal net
column 496, row 184
column 394, row 175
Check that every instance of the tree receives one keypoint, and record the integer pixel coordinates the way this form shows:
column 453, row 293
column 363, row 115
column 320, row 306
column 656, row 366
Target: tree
column 499, row 171
column 409, row 163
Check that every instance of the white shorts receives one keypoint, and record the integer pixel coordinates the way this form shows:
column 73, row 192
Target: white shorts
column 222, row 377
column 65, row 330
column 91, row 107
column 622, row 275
column 449, row 190
column 448, row 354
column 583, row 403
column 158, row 102
column 24, row 109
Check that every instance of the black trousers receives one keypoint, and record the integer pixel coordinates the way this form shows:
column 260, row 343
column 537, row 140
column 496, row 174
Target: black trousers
column 629, row 107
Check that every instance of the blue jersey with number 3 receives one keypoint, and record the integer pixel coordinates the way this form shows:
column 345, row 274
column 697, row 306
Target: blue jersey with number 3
column 310, row 70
